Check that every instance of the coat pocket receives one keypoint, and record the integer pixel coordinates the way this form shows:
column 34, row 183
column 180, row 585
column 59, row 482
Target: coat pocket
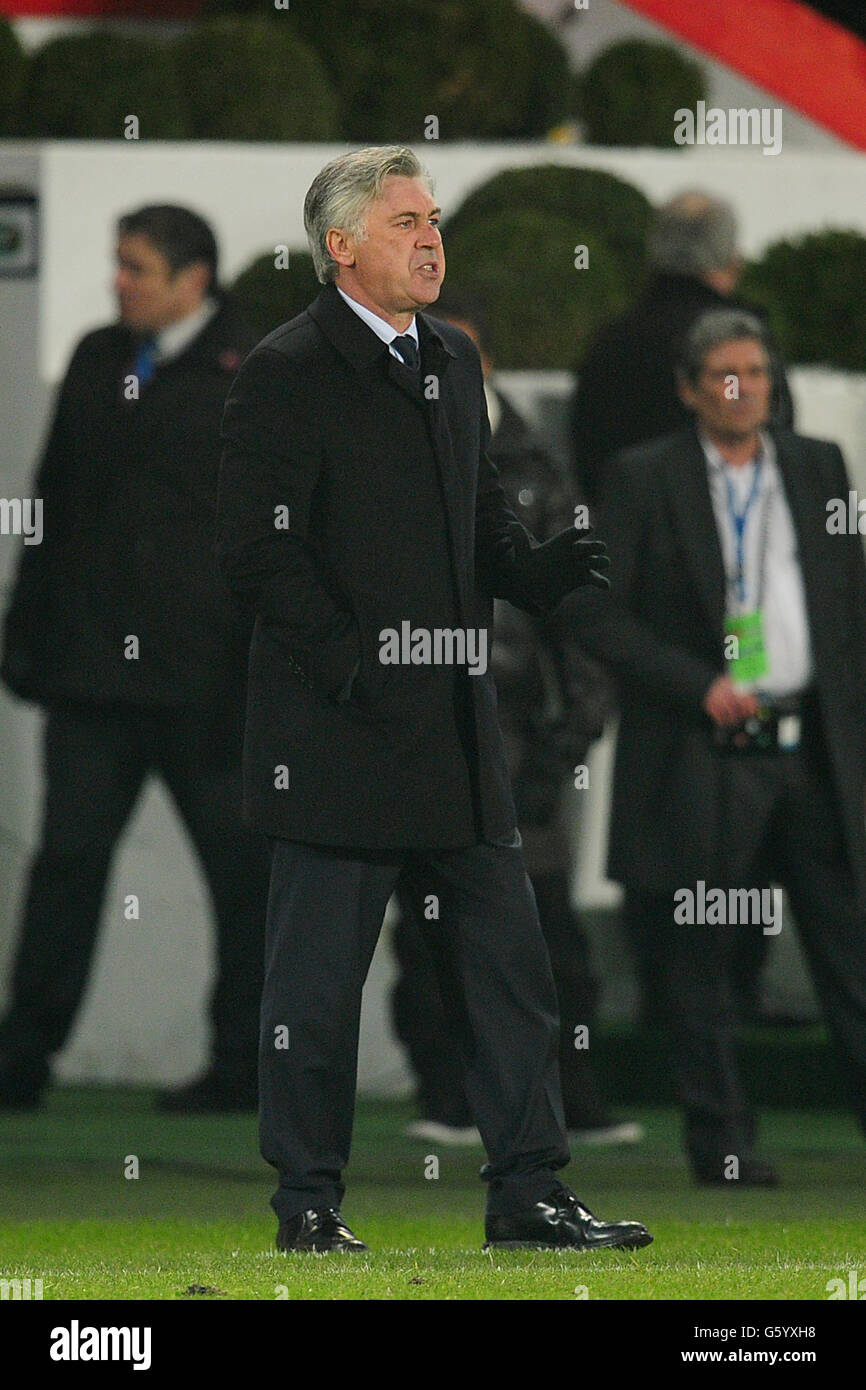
column 372, row 675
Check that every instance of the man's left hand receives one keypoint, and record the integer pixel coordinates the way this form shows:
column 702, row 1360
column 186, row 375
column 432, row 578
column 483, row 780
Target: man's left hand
column 566, row 562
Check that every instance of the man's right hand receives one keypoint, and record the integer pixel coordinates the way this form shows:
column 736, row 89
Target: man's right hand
column 728, row 706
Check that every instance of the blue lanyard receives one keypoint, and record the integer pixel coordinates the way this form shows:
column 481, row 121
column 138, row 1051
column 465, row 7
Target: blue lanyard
column 738, row 520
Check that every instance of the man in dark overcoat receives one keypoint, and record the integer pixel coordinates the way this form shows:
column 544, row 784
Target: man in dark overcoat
column 122, row 631
column 361, row 517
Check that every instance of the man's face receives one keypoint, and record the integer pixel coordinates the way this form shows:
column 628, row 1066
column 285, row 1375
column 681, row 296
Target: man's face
column 400, row 267
column 149, row 294
column 731, row 397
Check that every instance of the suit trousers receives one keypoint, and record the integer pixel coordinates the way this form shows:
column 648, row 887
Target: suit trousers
column 325, row 911
column 784, row 828
column 97, row 757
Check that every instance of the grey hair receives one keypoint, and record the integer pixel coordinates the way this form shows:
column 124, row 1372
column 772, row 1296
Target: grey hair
column 692, row 234
column 342, row 193
column 713, row 328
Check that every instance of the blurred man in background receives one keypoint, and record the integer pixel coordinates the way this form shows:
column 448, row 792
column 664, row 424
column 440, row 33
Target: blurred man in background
column 626, row 392
column 551, row 702
column 120, row 628
column 627, row 395
column 736, row 624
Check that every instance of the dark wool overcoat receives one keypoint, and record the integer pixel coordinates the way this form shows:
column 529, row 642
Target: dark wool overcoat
column 357, row 495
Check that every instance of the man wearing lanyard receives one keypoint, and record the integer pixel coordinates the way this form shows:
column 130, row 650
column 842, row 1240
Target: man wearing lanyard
column 736, row 624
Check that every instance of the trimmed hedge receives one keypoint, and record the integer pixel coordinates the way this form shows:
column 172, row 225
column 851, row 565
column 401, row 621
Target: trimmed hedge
column 80, row 86
column 249, row 79
column 629, row 93
column 813, row 289
column 484, row 68
column 541, row 310
column 595, row 203
column 13, row 68
column 268, row 297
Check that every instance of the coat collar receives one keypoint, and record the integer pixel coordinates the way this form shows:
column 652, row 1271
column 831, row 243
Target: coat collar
column 360, row 346
column 696, row 523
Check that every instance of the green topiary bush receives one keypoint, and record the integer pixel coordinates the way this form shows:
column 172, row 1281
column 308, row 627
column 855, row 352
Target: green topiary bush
column 268, row 297
column 541, row 310
column 13, row 72
column 81, row 86
column 593, row 202
column 483, row 68
column 252, row 79
column 813, row 289
column 629, row 93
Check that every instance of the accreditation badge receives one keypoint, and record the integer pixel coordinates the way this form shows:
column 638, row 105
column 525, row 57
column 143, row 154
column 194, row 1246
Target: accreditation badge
column 747, row 655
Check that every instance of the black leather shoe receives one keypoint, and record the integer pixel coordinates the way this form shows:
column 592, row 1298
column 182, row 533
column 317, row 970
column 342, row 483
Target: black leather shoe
column 752, row 1173
column 560, row 1221
column 318, row 1230
column 209, row 1095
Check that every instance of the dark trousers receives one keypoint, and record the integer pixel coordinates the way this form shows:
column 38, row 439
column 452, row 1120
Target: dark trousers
column 325, row 911
column 97, row 758
column 418, row 1010
column 784, row 827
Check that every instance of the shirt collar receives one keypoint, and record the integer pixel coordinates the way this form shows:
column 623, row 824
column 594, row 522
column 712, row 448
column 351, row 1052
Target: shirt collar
column 380, row 326
column 716, row 459
column 171, row 340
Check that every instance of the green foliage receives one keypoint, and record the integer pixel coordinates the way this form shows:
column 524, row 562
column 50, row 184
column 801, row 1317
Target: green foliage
column 13, row 71
column 813, row 289
column 268, row 297
column 484, row 68
column 251, row 79
column 541, row 310
column 630, row 92
column 595, row 203
column 81, row 86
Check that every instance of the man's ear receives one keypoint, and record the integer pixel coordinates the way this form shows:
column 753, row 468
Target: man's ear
column 339, row 246
column 197, row 276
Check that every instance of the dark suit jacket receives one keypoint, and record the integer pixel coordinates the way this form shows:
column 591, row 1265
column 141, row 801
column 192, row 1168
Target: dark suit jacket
column 129, row 501
column 626, row 390
column 660, row 627
column 395, row 513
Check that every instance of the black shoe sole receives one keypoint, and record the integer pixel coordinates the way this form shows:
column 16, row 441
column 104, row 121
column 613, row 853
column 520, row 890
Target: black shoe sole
column 635, row 1243
column 323, row 1250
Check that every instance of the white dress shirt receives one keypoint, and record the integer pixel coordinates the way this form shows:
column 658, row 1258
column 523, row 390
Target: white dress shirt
column 786, row 624
column 171, row 340
column 380, row 326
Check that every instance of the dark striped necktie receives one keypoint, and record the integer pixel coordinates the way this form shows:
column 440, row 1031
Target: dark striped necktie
column 408, row 350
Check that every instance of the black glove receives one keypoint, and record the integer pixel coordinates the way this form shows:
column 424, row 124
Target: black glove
column 556, row 567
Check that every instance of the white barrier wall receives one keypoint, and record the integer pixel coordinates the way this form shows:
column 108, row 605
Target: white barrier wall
column 143, row 1017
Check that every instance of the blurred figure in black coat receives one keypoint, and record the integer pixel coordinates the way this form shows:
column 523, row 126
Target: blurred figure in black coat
column 626, row 391
column 551, row 704
column 121, row 629
column 626, row 395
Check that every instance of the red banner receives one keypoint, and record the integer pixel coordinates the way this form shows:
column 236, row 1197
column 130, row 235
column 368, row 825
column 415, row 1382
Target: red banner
column 812, row 64
column 87, row 9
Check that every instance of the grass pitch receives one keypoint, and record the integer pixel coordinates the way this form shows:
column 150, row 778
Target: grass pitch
column 195, row 1224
